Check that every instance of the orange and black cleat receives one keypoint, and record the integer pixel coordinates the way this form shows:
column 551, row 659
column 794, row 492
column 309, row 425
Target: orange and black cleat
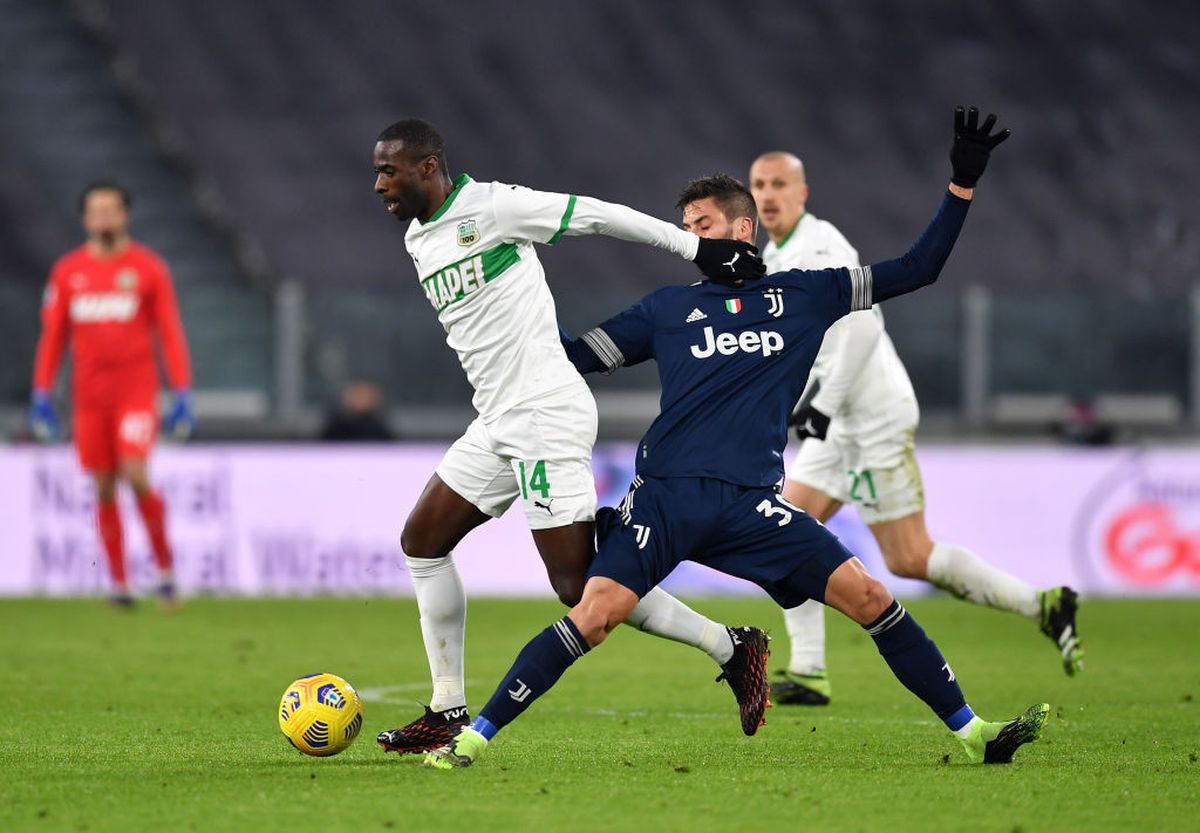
column 746, row 673
column 430, row 731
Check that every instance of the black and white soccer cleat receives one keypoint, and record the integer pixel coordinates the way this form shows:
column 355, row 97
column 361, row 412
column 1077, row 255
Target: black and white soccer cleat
column 430, row 731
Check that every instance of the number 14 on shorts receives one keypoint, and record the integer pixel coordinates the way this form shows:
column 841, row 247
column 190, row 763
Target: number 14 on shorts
column 533, row 478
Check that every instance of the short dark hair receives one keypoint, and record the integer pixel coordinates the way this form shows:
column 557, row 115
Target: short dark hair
column 732, row 197
column 418, row 136
column 105, row 185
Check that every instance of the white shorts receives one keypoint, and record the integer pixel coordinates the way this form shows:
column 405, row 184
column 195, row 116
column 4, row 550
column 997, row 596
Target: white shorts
column 541, row 453
column 870, row 462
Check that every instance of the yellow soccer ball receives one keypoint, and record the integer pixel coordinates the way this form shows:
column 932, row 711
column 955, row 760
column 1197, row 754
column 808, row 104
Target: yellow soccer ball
column 320, row 714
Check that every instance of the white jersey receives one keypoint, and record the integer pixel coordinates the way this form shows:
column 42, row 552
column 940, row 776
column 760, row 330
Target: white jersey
column 476, row 262
column 857, row 366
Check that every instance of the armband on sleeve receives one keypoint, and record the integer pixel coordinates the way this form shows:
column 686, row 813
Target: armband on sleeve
column 605, row 348
column 861, row 288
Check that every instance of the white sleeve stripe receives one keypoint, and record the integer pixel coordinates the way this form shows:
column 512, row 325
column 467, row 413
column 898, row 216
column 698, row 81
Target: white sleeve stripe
column 861, row 288
column 605, row 348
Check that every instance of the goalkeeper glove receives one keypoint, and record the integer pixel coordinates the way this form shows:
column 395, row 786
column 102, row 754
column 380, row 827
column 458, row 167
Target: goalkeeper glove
column 973, row 143
column 728, row 261
column 42, row 418
column 809, row 423
column 180, row 420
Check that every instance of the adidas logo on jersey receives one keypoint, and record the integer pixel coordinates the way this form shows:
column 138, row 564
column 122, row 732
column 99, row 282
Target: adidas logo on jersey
column 766, row 342
column 694, row 316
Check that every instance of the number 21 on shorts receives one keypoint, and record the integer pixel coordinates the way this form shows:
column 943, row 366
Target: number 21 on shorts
column 533, row 478
column 858, row 478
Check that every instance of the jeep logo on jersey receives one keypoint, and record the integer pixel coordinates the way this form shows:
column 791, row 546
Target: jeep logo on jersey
column 98, row 307
column 765, row 342
column 467, row 233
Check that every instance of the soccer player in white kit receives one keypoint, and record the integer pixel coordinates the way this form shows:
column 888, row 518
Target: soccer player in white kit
column 856, row 422
column 472, row 246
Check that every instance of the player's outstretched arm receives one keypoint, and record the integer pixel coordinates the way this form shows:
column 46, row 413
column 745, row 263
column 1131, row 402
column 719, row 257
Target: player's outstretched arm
column 921, row 265
column 547, row 217
column 721, row 260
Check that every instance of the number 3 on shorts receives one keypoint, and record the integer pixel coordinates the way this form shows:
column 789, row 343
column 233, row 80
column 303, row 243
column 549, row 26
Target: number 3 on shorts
column 770, row 510
column 535, row 480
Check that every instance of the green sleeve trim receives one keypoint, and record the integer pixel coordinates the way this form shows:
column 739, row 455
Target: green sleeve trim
column 459, row 182
column 566, row 221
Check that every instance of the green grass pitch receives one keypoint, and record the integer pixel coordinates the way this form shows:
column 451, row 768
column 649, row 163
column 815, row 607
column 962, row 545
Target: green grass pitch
column 156, row 721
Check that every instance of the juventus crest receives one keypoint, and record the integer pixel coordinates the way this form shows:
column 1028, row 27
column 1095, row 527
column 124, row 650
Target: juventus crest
column 775, row 301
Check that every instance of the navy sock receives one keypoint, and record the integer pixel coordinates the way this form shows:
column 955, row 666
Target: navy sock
column 538, row 667
column 919, row 665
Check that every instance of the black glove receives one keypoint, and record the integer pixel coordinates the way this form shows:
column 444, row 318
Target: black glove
column 729, row 261
column 972, row 145
column 809, row 422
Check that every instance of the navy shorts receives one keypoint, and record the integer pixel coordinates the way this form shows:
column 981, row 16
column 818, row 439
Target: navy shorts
column 751, row 533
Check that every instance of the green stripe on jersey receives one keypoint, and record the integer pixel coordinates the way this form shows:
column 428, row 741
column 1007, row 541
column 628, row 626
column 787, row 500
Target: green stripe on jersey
column 566, row 221
column 453, row 283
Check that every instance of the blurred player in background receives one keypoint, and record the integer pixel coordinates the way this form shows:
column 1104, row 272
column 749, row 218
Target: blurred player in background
column 856, row 422
column 359, row 416
column 472, row 246
column 112, row 298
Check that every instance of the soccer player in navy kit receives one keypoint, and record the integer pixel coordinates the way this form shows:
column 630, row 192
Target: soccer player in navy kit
column 732, row 358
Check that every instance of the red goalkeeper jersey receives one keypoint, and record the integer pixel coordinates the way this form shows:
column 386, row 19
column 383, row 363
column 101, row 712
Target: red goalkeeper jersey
column 111, row 310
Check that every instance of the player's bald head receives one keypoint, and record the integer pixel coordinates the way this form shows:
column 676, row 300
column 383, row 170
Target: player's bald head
column 782, row 161
column 780, row 191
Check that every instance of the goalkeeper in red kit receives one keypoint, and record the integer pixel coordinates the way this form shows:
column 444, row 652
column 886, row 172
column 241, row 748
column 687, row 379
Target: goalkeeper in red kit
column 112, row 298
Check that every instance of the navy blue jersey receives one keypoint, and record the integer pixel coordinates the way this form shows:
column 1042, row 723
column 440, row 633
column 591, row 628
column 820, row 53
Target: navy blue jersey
column 732, row 362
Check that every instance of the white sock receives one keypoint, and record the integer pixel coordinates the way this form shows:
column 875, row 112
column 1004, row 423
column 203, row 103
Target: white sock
column 443, row 605
column 663, row 615
column 806, row 632
column 966, row 575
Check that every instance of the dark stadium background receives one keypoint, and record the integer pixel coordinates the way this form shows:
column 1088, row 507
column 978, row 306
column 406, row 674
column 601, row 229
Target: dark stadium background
column 245, row 131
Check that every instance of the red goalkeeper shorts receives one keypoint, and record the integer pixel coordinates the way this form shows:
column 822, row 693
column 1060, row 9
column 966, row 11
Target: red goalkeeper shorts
column 105, row 436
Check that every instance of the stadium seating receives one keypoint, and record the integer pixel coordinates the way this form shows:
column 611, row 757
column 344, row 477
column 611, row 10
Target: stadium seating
column 277, row 103
column 67, row 118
